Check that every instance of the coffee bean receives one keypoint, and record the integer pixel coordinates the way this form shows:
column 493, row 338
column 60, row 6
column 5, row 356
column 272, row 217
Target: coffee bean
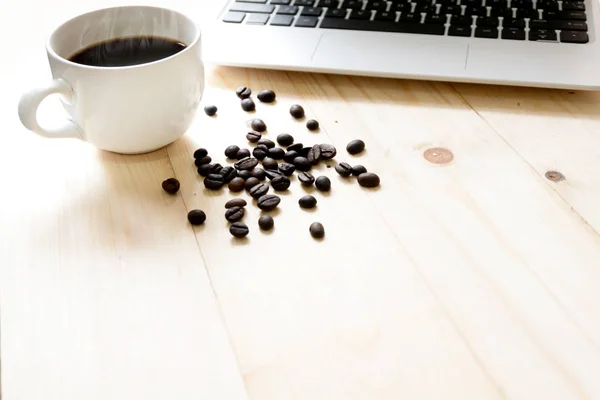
column 258, row 125
column 213, row 181
column 312, row 124
column 268, row 202
column 303, row 152
column 287, row 169
column 267, row 142
column 317, row 230
column 204, row 169
column 266, row 222
column 242, row 153
column 239, row 229
column 246, row 163
column 253, row 137
column 289, row 156
column 248, row 105
column 231, row 151
column 243, row 92
column 251, row 182
column 237, row 184
column 307, row 201
column 368, row 179
column 314, row 154
column 285, row 139
column 210, row 110
column 269, row 163
column 228, row 173
column 202, row 161
column 237, row 202
column 276, row 153
column 244, row 174
column 273, row 173
column 302, row 164
column 328, row 151
column 358, row 169
column 355, row 146
column 259, row 190
column 215, row 168
column 266, row 96
column 258, row 173
column 260, row 152
column 295, row 147
column 196, row 217
column 200, row 153
column 170, row 185
column 280, row 183
column 323, row 184
column 234, row 214
column 297, row 111
column 306, row 178
column 344, row 169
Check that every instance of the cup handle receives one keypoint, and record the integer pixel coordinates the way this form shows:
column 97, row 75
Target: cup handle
column 30, row 102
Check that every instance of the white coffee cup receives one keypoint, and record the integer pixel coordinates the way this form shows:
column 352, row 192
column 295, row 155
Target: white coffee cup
column 132, row 109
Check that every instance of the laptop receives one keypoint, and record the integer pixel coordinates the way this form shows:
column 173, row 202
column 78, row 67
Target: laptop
column 539, row 43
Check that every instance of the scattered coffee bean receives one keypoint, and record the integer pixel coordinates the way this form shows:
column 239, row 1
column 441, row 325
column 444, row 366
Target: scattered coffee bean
column 243, row 92
column 239, row 229
column 266, row 142
column 248, row 105
column 295, row 147
column 213, row 181
column 355, row 146
column 253, row 137
column 237, row 202
column 368, row 179
column 266, row 96
column 280, row 183
column 312, row 124
column 303, row 152
column 358, row 169
column 170, row 185
column 242, row 153
column 234, row 214
column 196, row 217
column 215, row 168
column 344, row 169
column 266, row 222
column 200, row 153
column 317, row 230
column 204, row 169
column 268, row 202
column 202, row 161
column 306, row 178
column 231, row 151
column 246, row 163
column 258, row 173
column 228, row 173
column 258, row 125
column 323, row 184
column 307, row 201
column 237, row 184
column 273, row 173
column 260, row 151
column 328, row 151
column 297, row 111
column 314, row 154
column 289, row 156
column 285, row 139
column 269, row 163
column 276, row 153
column 259, row 190
column 210, row 110
column 302, row 164
column 251, row 182
column 244, row 174
column 287, row 169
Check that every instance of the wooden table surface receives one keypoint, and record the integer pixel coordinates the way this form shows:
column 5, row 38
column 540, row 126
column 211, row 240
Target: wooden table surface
column 475, row 280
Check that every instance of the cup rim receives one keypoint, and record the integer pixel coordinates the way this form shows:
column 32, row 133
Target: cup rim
column 53, row 53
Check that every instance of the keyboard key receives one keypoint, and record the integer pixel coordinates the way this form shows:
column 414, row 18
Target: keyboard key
column 425, row 8
column 312, row 11
column 282, row 20
column 287, row 10
column 257, row 19
column 380, row 26
column 571, row 25
column 507, row 14
column 377, row 5
column 451, row 9
column 306, row 22
column 477, row 11
column 459, row 30
column 565, row 15
column 353, row 4
column 360, row 14
column 234, row 17
column 328, row 3
column 487, row 21
column 461, row 20
column 472, row 3
column 435, row 19
column 542, row 34
column 336, row 13
column 540, row 24
column 547, row 5
column 281, row 2
column 410, row 17
column 253, row 1
column 385, row 16
column 514, row 23
column 403, row 7
column 513, row 34
column 573, row 6
column 253, row 8
column 306, row 3
column 574, row 37
column 522, row 4
column 486, row 32
column 496, row 4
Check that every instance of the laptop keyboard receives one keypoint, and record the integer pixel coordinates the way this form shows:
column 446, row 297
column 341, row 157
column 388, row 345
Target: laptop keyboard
column 534, row 20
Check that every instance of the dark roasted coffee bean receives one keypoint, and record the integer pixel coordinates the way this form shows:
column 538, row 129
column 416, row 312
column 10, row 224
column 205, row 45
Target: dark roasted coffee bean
column 328, row 151
column 196, row 217
column 215, row 168
column 210, row 110
column 200, row 153
column 258, row 125
column 231, row 151
column 171, row 185
column 213, row 181
column 355, row 146
column 269, row 163
column 358, row 169
column 204, row 170
column 237, row 184
column 268, row 202
column 314, row 154
column 280, row 183
column 368, row 179
column 307, row 201
column 239, row 229
column 289, row 156
column 344, row 169
column 246, row 163
column 228, row 173
column 297, row 111
column 312, row 124
column 242, row 153
column 237, row 202
column 295, row 147
column 234, row 214
column 248, row 105
column 243, row 92
column 260, row 151
column 285, row 139
column 266, row 142
column 202, row 161
column 302, row 164
column 303, row 152
column 258, row 173
column 251, row 182
column 317, row 230
column 244, row 174
column 266, row 222
column 273, row 173
column 259, row 190
column 253, row 137
column 306, row 178
column 266, row 96
column 287, row 169
column 276, row 153
column 323, row 184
